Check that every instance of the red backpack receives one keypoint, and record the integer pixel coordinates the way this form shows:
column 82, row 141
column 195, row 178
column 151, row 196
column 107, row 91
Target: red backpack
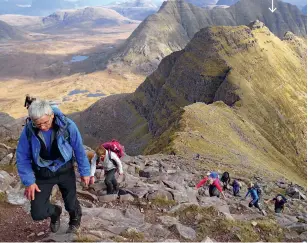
column 115, row 147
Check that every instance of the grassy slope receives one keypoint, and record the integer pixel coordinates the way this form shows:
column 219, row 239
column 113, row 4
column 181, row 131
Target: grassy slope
column 267, row 128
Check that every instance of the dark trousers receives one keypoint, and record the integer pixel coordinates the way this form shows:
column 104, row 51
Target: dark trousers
column 279, row 209
column 41, row 208
column 111, row 182
column 256, row 204
column 236, row 191
column 213, row 191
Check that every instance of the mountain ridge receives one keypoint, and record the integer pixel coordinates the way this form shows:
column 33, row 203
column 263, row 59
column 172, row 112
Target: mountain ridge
column 86, row 17
column 176, row 22
column 233, row 77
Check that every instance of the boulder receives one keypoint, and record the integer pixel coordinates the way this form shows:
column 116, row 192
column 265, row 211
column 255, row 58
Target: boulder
column 16, row 197
column 285, row 220
column 108, row 198
column 160, row 194
column 149, row 173
column 86, row 203
column 207, row 239
column 87, row 195
column 7, row 159
column 126, row 198
column 158, row 233
column 298, row 227
column 5, row 180
column 184, row 232
column 168, row 220
column 134, row 214
column 303, row 237
column 138, row 192
column 217, row 203
column 292, row 236
column 294, row 192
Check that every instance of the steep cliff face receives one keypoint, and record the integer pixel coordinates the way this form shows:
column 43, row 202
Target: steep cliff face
column 175, row 24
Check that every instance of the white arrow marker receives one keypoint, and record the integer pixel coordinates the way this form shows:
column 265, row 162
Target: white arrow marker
column 272, row 9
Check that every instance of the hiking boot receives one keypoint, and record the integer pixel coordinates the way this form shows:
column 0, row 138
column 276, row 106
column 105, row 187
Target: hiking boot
column 55, row 219
column 75, row 219
column 72, row 229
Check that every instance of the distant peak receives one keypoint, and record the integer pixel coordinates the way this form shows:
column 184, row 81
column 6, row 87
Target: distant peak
column 257, row 24
column 289, row 36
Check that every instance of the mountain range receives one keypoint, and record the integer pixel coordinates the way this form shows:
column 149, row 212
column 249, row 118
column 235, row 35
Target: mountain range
column 85, row 18
column 171, row 28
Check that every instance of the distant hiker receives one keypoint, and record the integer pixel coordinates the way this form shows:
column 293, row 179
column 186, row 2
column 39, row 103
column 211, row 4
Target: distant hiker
column 28, row 101
column 47, row 147
column 259, row 189
column 279, row 201
column 214, row 186
column 90, row 155
column 108, row 157
column 255, row 198
column 225, row 179
column 236, row 185
column 95, row 159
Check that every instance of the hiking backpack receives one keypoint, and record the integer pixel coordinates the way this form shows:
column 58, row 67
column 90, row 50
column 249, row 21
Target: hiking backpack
column 115, row 147
column 258, row 189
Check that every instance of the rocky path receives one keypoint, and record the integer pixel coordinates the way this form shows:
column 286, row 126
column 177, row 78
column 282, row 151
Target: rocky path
column 158, row 202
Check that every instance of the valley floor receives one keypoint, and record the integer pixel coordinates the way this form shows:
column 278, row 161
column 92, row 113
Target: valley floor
column 47, row 66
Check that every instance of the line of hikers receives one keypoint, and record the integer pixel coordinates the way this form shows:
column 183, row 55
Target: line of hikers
column 49, row 145
column 254, row 190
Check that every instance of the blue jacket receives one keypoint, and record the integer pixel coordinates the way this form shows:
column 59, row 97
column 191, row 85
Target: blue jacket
column 28, row 152
column 254, row 194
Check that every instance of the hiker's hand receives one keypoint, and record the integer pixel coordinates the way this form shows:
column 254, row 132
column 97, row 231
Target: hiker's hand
column 92, row 180
column 30, row 191
column 85, row 180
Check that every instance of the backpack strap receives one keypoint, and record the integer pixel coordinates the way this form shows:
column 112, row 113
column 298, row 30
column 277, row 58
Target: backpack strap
column 112, row 160
column 66, row 133
column 28, row 132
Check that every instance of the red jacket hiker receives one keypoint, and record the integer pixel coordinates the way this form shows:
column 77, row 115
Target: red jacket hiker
column 216, row 183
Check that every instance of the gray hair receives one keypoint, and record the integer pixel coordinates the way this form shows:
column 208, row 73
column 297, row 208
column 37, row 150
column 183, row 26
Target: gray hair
column 39, row 108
